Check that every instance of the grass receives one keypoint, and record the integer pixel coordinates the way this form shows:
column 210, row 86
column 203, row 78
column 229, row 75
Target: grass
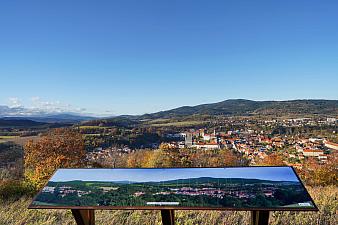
column 16, row 212
column 93, row 127
column 89, row 135
column 6, row 138
column 179, row 124
column 158, row 121
column 21, row 140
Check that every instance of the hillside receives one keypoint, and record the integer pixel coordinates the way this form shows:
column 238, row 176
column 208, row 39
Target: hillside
column 56, row 118
column 242, row 107
column 26, row 123
column 120, row 121
column 14, row 122
column 231, row 107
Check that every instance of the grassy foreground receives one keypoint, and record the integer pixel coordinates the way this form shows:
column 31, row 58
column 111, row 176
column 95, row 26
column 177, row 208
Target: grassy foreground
column 326, row 198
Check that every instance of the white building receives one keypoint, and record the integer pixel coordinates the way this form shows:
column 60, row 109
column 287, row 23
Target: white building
column 206, row 146
column 312, row 152
column 331, row 120
column 331, row 145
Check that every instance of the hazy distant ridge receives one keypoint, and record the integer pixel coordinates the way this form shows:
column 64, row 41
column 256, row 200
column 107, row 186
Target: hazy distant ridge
column 191, row 181
column 231, row 107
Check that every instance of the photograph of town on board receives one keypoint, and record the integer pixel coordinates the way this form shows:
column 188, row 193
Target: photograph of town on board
column 256, row 187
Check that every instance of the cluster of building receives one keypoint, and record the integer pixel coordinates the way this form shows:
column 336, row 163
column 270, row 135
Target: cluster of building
column 200, row 139
column 209, row 191
column 214, row 192
column 64, row 191
column 315, row 148
column 251, row 137
column 296, row 150
column 304, row 121
column 255, row 145
column 102, row 155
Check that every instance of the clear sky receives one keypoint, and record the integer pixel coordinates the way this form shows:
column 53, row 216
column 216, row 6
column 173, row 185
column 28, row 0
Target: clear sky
column 132, row 57
column 146, row 175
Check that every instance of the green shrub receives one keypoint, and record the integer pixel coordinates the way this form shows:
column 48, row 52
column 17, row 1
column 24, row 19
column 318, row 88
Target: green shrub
column 14, row 189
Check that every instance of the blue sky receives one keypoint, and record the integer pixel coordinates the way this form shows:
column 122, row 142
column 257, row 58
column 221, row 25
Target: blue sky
column 133, row 57
column 145, row 175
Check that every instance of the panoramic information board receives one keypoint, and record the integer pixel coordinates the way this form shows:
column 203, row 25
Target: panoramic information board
column 232, row 188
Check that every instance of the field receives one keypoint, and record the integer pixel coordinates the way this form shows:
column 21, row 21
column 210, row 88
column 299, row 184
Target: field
column 6, row 138
column 93, row 127
column 17, row 139
column 179, row 124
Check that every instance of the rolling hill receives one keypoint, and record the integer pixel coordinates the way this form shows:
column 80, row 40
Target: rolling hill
column 6, row 122
column 26, row 123
column 231, row 107
column 242, row 107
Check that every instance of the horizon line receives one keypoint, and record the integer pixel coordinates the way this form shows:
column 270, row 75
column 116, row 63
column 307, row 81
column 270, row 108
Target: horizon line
column 102, row 115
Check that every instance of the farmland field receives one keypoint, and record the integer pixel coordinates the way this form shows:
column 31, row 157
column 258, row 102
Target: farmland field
column 179, row 123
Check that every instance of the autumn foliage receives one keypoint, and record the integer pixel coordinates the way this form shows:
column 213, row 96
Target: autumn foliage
column 273, row 159
column 316, row 174
column 183, row 158
column 59, row 148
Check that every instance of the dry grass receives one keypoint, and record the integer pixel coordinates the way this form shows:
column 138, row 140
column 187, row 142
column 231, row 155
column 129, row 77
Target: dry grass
column 179, row 124
column 325, row 197
column 22, row 140
column 6, row 138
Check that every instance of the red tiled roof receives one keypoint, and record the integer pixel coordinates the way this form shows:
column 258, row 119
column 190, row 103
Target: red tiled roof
column 312, row 150
column 331, row 143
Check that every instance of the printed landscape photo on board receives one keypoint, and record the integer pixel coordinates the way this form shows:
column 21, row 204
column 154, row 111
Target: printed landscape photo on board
column 248, row 187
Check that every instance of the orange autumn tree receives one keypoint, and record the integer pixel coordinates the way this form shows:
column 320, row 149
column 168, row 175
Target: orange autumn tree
column 273, row 159
column 59, row 148
column 315, row 173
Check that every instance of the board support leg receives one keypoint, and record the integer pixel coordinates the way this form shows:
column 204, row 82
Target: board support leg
column 84, row 216
column 259, row 217
column 168, row 216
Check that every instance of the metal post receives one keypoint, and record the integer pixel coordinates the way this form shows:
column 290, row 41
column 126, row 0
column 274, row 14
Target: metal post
column 259, row 217
column 168, row 216
column 84, row 216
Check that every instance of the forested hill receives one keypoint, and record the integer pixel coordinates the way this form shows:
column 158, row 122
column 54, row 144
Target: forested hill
column 4, row 122
column 242, row 107
column 213, row 180
column 26, row 123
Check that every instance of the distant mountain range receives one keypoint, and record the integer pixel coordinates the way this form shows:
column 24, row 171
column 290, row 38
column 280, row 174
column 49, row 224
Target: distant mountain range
column 191, row 181
column 242, row 107
column 5, row 122
column 21, row 113
column 26, row 123
column 60, row 118
column 231, row 107
column 214, row 180
column 57, row 118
